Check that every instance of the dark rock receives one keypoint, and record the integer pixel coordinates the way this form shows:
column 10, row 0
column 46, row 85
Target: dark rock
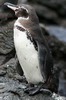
column 7, row 50
column 59, row 34
column 50, row 11
column 2, row 72
column 5, row 12
column 22, row 1
column 62, row 85
column 56, row 40
column 58, row 5
column 11, row 89
column 48, row 14
column 6, row 38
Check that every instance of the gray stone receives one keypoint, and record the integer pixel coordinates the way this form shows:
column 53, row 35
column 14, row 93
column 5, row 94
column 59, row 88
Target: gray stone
column 22, row 1
column 51, row 11
column 55, row 37
column 12, row 90
column 6, row 38
column 7, row 50
column 45, row 12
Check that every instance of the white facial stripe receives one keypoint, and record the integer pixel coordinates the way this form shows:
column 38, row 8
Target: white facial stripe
column 24, row 8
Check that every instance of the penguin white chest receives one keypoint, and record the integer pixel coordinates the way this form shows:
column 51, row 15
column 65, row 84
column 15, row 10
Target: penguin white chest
column 28, row 57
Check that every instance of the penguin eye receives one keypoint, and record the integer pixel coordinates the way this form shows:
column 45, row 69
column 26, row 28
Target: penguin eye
column 21, row 12
column 24, row 12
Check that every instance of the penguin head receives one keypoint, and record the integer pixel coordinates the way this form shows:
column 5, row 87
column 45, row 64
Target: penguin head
column 20, row 11
column 26, row 12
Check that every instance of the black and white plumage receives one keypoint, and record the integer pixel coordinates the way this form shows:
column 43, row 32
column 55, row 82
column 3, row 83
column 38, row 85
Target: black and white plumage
column 32, row 50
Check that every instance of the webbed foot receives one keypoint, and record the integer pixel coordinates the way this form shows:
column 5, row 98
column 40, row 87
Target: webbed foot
column 32, row 90
column 38, row 89
column 46, row 91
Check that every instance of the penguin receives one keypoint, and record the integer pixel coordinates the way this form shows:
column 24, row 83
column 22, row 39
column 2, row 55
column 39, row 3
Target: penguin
column 32, row 49
column 5, row 12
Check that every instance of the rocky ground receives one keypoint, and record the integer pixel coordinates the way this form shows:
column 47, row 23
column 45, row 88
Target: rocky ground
column 53, row 22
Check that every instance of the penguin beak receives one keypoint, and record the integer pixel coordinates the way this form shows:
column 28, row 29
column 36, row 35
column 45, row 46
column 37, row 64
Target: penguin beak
column 11, row 6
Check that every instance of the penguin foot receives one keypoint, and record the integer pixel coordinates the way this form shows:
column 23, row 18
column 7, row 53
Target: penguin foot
column 38, row 89
column 32, row 90
column 46, row 91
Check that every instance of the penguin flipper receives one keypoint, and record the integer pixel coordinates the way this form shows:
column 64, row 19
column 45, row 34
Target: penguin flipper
column 45, row 61
column 42, row 60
